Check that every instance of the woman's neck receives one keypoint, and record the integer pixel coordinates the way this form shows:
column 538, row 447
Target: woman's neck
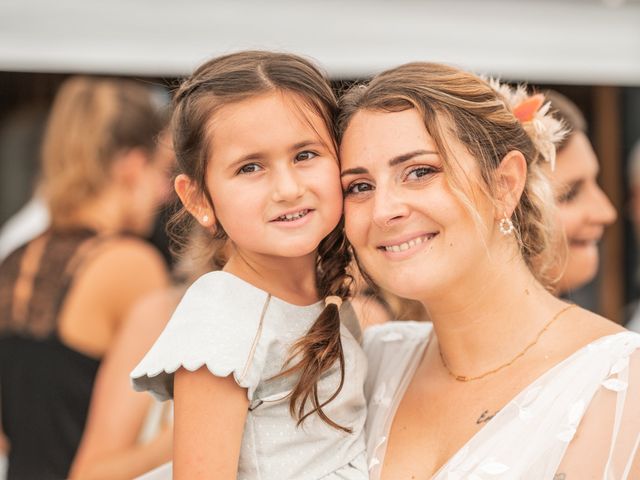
column 102, row 214
column 291, row 279
column 490, row 317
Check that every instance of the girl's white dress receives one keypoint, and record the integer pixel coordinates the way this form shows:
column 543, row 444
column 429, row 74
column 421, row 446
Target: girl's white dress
column 579, row 420
column 237, row 329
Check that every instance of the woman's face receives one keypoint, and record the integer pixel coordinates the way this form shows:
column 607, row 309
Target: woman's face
column 583, row 210
column 410, row 232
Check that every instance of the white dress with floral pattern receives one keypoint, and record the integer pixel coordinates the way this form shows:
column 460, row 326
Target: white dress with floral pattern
column 581, row 417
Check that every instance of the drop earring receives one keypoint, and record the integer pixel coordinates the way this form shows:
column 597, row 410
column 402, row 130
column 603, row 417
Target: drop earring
column 506, row 225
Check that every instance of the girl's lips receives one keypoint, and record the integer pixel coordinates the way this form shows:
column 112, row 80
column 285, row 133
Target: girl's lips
column 296, row 219
column 292, row 215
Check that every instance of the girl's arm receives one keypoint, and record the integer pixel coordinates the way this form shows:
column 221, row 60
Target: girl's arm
column 210, row 414
column 110, row 447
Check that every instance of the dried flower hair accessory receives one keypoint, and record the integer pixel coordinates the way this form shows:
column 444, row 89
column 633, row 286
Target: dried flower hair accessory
column 544, row 130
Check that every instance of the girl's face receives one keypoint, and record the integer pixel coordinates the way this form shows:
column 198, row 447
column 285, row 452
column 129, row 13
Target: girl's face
column 583, row 209
column 273, row 175
column 410, row 232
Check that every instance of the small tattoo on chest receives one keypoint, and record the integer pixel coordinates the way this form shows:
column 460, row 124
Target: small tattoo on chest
column 560, row 476
column 485, row 417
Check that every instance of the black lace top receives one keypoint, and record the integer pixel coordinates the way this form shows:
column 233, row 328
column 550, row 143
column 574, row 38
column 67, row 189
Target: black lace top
column 45, row 386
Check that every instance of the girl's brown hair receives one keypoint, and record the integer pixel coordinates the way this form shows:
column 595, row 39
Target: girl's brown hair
column 458, row 103
column 92, row 120
column 229, row 79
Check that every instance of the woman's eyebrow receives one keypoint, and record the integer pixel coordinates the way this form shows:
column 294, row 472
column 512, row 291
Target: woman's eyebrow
column 408, row 156
column 354, row 171
column 392, row 163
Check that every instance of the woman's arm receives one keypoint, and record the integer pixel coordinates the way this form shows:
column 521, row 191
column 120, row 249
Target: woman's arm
column 110, row 447
column 210, row 414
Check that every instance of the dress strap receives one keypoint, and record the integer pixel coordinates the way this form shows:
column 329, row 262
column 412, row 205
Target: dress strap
column 36, row 279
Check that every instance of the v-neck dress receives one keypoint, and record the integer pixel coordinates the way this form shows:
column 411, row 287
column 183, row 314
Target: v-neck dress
column 581, row 418
column 234, row 328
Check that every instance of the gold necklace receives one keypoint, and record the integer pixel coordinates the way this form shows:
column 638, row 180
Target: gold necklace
column 463, row 378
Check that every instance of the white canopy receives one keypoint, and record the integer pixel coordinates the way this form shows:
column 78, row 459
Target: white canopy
column 561, row 41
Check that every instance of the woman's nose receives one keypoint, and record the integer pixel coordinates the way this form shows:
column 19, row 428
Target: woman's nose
column 602, row 210
column 388, row 207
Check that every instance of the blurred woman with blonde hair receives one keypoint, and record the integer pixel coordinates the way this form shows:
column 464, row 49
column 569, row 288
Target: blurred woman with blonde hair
column 64, row 295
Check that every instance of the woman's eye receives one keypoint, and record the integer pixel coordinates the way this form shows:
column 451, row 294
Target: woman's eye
column 419, row 172
column 306, row 155
column 356, row 188
column 249, row 168
column 569, row 195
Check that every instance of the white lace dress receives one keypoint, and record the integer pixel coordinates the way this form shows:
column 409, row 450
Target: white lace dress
column 581, row 417
column 235, row 328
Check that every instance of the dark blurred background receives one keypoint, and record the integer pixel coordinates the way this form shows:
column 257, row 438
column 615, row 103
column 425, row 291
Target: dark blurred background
column 588, row 50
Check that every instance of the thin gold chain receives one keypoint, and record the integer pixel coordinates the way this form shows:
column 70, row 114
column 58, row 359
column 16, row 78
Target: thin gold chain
column 463, row 378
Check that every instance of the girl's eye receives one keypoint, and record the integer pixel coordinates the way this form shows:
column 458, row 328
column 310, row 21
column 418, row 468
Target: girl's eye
column 306, row 155
column 359, row 187
column 419, row 172
column 249, row 168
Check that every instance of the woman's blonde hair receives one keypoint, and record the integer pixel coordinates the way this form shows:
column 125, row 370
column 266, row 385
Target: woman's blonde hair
column 92, row 120
column 480, row 115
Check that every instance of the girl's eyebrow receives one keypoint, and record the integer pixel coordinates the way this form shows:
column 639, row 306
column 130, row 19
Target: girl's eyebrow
column 306, row 143
column 392, row 163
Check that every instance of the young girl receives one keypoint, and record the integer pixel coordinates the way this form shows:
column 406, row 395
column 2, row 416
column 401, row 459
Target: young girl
column 266, row 382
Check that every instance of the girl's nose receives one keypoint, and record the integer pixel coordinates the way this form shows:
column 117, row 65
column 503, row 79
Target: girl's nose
column 287, row 185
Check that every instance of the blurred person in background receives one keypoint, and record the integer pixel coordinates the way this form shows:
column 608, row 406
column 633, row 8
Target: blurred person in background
column 65, row 294
column 584, row 210
column 129, row 433
column 633, row 177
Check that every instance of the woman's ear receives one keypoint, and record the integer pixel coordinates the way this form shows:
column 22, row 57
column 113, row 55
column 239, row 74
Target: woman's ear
column 129, row 167
column 511, row 177
column 194, row 201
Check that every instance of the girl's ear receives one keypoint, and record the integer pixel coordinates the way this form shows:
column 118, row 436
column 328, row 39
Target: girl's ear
column 511, row 177
column 194, row 201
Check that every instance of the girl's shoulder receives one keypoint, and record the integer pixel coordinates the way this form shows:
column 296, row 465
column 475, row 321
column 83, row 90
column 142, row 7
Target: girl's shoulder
column 217, row 324
column 223, row 289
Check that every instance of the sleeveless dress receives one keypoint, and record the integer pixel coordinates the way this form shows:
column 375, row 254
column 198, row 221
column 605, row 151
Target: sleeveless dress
column 580, row 419
column 236, row 329
column 45, row 386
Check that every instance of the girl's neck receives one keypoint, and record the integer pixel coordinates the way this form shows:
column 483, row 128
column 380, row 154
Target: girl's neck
column 490, row 317
column 290, row 279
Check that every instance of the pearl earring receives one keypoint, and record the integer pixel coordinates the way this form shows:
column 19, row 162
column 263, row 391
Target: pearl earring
column 205, row 218
column 506, row 225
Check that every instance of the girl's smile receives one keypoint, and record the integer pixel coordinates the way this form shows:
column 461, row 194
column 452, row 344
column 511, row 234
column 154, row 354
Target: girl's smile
column 272, row 176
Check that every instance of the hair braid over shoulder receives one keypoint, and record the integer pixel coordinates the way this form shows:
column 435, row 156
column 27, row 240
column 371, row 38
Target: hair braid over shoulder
column 321, row 347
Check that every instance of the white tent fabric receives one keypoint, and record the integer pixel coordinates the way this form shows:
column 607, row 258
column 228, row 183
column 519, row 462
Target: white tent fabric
column 554, row 41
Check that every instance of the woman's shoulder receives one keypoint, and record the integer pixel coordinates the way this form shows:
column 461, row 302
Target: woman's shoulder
column 394, row 345
column 397, row 331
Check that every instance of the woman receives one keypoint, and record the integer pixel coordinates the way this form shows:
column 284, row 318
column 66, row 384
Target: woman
column 584, row 210
column 64, row 295
column 446, row 202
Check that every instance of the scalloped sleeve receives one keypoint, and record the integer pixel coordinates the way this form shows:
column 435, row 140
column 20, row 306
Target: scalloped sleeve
column 218, row 323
